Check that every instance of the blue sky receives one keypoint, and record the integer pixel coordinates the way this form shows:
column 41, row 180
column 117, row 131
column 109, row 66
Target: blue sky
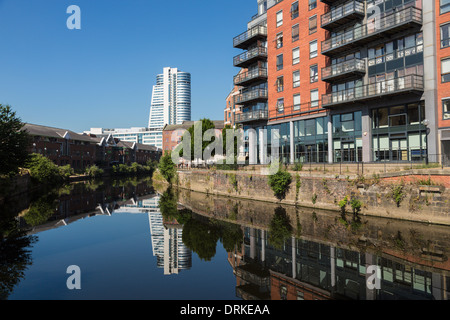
column 102, row 75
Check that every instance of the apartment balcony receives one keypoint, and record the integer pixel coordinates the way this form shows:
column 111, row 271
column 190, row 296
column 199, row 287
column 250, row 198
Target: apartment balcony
column 342, row 14
column 249, row 57
column 258, row 115
column 257, row 95
column 345, row 70
column 243, row 40
column 254, row 75
column 411, row 84
column 390, row 25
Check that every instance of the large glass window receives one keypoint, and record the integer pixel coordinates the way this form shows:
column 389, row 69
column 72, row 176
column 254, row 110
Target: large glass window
column 398, row 133
column 445, row 6
column 347, row 137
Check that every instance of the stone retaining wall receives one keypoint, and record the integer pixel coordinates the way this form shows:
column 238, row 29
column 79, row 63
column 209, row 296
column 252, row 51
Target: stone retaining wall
column 424, row 203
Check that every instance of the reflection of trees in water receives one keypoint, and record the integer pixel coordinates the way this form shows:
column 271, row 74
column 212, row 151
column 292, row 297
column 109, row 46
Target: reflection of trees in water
column 200, row 235
column 15, row 256
column 41, row 210
column 280, row 228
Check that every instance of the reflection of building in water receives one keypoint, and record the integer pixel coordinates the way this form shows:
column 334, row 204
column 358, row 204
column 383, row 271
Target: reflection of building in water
column 308, row 270
column 171, row 253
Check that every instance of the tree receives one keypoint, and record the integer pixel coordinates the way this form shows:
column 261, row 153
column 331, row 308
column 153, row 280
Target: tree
column 237, row 137
column 206, row 124
column 14, row 141
column 167, row 167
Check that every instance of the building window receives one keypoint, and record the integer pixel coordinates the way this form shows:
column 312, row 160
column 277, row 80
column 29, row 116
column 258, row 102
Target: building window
column 280, row 84
column 279, row 40
column 279, row 62
column 446, row 109
column 314, row 98
column 279, row 18
column 445, row 35
column 312, row 4
column 295, row 55
column 445, row 70
column 312, row 24
column 296, row 101
column 445, row 6
column 313, row 49
column 294, row 10
column 314, row 73
column 280, row 104
column 295, row 33
column 296, row 79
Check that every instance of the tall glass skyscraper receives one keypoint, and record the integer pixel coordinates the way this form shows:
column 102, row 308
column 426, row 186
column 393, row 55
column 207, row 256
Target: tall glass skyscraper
column 171, row 99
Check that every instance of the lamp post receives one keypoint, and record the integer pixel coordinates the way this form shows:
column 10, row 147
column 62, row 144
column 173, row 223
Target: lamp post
column 426, row 123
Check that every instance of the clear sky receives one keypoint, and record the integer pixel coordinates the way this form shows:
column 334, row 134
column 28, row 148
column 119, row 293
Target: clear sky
column 102, row 75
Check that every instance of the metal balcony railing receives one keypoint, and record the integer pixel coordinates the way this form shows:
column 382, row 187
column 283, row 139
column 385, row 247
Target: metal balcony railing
column 249, row 76
column 244, row 38
column 410, row 83
column 344, row 69
column 390, row 24
column 342, row 14
column 257, row 94
column 245, row 59
column 251, row 116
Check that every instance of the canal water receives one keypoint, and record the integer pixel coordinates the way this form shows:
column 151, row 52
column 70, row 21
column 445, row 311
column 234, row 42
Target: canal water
column 122, row 239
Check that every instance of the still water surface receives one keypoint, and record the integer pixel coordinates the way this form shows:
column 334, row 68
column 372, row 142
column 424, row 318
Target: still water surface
column 131, row 242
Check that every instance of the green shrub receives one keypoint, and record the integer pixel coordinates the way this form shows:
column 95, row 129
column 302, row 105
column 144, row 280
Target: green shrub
column 279, row 183
column 66, row 171
column 43, row 170
column 94, row 171
column 356, row 205
column 298, row 166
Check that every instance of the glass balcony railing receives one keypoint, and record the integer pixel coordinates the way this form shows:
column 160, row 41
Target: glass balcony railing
column 342, row 14
column 249, row 76
column 253, row 95
column 242, row 40
column 344, row 69
column 377, row 28
column 409, row 83
column 252, row 116
column 245, row 59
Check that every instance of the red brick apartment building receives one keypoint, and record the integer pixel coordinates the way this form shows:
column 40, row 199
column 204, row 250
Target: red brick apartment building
column 346, row 80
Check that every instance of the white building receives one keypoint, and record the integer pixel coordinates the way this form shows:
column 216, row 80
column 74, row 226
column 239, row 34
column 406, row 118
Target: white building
column 139, row 135
column 171, row 99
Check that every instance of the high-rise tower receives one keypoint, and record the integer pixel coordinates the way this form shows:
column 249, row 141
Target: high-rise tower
column 171, row 99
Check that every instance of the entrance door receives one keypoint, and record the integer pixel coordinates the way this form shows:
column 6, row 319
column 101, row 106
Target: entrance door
column 310, row 153
column 348, row 152
column 399, row 150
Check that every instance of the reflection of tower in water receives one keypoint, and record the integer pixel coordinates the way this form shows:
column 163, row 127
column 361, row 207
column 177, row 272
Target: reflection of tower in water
column 167, row 244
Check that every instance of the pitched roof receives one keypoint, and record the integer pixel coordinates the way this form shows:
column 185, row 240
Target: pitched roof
column 44, row 131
